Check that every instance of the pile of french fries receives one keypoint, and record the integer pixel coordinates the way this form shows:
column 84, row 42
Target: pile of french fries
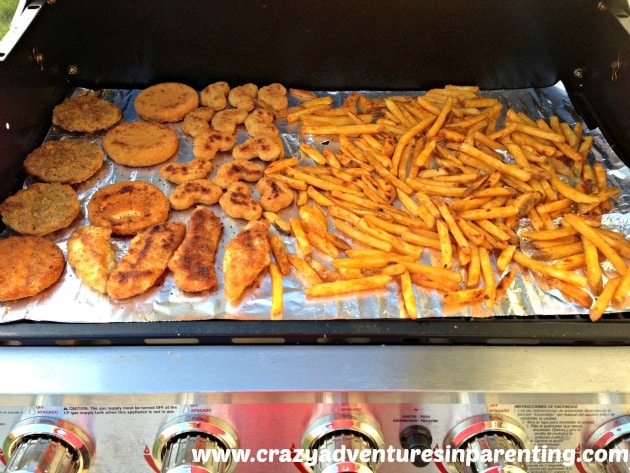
column 436, row 173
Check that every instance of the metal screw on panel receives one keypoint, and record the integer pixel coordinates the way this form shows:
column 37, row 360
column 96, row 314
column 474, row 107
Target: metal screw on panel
column 601, row 6
column 73, row 69
column 578, row 73
column 38, row 57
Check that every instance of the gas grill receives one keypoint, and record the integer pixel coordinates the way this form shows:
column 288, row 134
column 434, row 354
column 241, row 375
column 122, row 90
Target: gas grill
column 139, row 396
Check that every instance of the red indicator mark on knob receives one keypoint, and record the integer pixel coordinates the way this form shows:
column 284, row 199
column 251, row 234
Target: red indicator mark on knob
column 149, row 459
column 578, row 461
column 2, row 459
column 298, row 465
column 439, row 465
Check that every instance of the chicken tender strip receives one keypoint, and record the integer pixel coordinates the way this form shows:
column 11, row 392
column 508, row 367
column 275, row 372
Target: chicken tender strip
column 91, row 255
column 246, row 256
column 146, row 260
column 192, row 264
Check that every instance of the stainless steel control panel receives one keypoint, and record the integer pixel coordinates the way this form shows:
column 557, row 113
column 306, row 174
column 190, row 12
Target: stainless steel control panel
column 200, row 410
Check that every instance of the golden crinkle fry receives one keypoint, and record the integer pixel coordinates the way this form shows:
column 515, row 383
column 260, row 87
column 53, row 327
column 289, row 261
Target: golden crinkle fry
column 437, row 174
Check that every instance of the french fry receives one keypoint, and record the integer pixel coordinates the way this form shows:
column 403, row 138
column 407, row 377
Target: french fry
column 604, row 299
column 322, row 244
column 505, row 258
column 575, row 294
column 505, row 282
column 395, row 269
column 495, row 163
column 473, row 273
column 465, row 296
column 489, row 213
column 487, row 273
column 348, row 286
column 593, row 269
column 277, row 292
column 572, row 193
column 602, row 245
column 280, row 254
column 310, row 276
column 300, row 237
column 446, row 247
column 558, row 252
column 361, row 236
column 453, row 228
column 550, row 270
column 370, row 128
column 278, row 222
column 324, row 272
column 622, row 289
column 408, row 295
column 280, row 165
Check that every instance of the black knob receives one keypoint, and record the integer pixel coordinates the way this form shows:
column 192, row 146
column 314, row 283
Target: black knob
column 416, row 439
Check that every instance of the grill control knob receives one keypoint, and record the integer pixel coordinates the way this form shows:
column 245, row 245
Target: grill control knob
column 339, row 443
column 483, row 433
column 612, row 436
column 619, row 466
column 47, row 445
column 211, row 439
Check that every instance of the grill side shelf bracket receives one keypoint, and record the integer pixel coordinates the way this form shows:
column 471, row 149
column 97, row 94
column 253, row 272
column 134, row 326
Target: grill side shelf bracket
column 25, row 13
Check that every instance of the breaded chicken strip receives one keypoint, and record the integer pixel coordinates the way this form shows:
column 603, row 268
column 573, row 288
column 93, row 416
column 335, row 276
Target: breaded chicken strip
column 91, row 255
column 146, row 259
column 246, row 256
column 192, row 264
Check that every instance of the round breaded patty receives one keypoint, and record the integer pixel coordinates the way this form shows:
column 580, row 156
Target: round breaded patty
column 128, row 207
column 40, row 209
column 65, row 162
column 140, row 144
column 28, row 265
column 86, row 113
column 166, row 102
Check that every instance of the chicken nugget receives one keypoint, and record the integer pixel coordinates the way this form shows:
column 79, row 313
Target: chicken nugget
column 274, row 195
column 198, row 191
column 214, row 95
column 273, row 96
column 266, row 148
column 243, row 96
column 241, row 170
column 237, row 202
column 178, row 173
column 209, row 143
column 197, row 121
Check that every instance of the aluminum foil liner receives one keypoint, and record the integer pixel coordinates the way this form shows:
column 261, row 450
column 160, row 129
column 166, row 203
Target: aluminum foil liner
column 71, row 301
